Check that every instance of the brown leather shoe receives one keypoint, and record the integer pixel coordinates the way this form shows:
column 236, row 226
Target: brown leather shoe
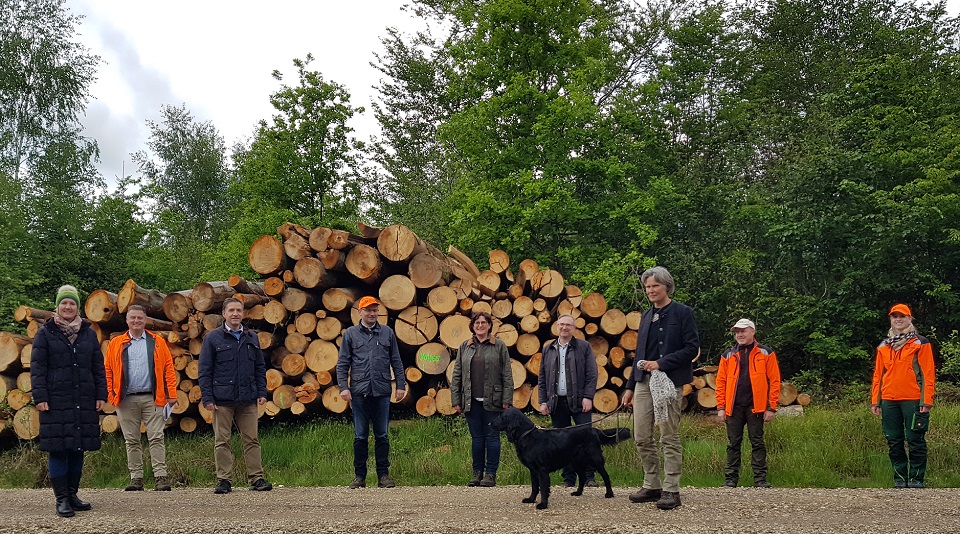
column 669, row 500
column 646, row 495
column 358, row 482
column 162, row 484
column 386, row 482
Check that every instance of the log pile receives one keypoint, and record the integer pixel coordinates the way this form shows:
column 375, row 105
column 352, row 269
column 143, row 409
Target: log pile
column 310, row 282
column 701, row 394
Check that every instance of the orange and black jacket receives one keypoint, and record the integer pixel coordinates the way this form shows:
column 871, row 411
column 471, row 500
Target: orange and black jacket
column 162, row 374
column 905, row 374
column 764, row 378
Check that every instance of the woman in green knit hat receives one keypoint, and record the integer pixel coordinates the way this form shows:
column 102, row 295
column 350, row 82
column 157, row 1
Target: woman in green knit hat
column 69, row 388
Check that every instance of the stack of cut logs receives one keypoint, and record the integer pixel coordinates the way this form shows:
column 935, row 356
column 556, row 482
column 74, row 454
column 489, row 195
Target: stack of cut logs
column 701, row 394
column 311, row 280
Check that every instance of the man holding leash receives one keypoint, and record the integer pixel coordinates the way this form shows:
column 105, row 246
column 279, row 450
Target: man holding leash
column 566, row 385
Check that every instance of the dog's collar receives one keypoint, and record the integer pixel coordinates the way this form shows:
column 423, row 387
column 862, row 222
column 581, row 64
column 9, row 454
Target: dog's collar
column 535, row 427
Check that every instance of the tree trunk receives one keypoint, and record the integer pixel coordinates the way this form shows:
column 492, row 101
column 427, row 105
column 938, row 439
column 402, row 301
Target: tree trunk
column 442, row 300
column 433, row 358
column 298, row 300
column 507, row 333
column 339, row 239
column 311, row 274
column 444, row 405
column 605, row 400
column 427, row 271
column 284, row 396
column 594, row 305
column 707, row 398
column 321, row 356
column 399, row 244
column 296, row 343
column 489, row 282
column 397, row 292
column 318, row 238
column 464, row 261
column 788, row 394
column 454, row 330
column 240, row 285
column 499, row 261
column 364, row 262
column 613, row 322
column 150, row 299
column 333, row 401
column 295, row 244
column 333, row 259
column 26, row 423
column 101, row 307
column 26, row 313
column 266, row 255
column 426, row 406
column 210, row 295
column 274, row 312
column 337, row 299
column 533, row 364
column 293, row 365
column 528, row 344
column 521, row 396
column 11, row 345
column 548, row 284
column 415, row 326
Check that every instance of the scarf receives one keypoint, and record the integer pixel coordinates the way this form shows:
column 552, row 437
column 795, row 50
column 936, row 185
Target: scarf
column 663, row 393
column 71, row 329
column 896, row 342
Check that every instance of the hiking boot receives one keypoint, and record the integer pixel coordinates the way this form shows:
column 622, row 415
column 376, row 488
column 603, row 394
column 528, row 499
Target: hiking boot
column 915, row 484
column 162, row 484
column 669, row 500
column 261, row 485
column 489, row 480
column 358, row 482
column 136, row 484
column 386, row 482
column 762, row 484
column 590, row 483
column 729, row 483
column 223, row 486
column 646, row 495
column 899, row 484
column 475, row 481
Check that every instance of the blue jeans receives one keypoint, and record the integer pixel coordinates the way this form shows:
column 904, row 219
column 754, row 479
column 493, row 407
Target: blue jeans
column 486, row 441
column 63, row 463
column 369, row 410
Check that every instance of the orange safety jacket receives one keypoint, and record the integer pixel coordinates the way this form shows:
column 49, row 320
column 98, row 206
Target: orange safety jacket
column 165, row 377
column 905, row 374
column 764, row 379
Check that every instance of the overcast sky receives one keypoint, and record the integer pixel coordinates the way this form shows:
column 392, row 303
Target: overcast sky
column 216, row 57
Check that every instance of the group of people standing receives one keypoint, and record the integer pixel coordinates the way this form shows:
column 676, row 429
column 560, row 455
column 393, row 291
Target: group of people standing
column 72, row 380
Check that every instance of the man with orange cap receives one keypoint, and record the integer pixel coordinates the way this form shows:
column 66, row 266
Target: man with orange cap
column 368, row 351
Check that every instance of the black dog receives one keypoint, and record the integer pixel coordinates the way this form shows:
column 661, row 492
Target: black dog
column 545, row 450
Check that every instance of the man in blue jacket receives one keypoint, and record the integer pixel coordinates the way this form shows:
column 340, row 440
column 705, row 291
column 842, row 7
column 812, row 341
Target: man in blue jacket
column 233, row 381
column 367, row 353
column 667, row 341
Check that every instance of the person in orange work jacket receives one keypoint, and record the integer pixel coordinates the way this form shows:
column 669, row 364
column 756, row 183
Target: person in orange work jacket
column 902, row 394
column 141, row 382
column 748, row 388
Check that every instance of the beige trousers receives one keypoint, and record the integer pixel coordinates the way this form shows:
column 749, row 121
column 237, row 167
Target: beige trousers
column 245, row 417
column 643, row 428
column 136, row 409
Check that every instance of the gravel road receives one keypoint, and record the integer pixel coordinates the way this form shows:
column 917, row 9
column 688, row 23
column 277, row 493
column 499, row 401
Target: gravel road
column 448, row 509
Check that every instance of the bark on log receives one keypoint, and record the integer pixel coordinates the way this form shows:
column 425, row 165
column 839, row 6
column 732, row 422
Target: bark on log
column 210, row 295
column 26, row 313
column 333, row 259
column 295, row 244
column 241, row 285
column 150, row 299
column 266, row 255
column 464, row 261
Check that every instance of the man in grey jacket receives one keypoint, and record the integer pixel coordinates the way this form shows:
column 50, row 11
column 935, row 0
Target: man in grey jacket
column 566, row 385
column 367, row 353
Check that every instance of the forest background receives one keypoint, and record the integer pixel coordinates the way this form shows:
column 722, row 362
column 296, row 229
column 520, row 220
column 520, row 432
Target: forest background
column 792, row 161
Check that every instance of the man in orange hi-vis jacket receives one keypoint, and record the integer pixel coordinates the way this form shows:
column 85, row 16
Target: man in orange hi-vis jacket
column 903, row 385
column 748, row 388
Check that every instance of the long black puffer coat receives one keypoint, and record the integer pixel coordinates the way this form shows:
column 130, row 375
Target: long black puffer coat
column 70, row 379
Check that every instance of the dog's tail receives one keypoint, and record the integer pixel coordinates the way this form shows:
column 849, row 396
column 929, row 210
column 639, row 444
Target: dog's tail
column 612, row 436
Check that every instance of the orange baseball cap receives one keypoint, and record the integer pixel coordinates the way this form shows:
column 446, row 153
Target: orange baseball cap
column 367, row 301
column 902, row 309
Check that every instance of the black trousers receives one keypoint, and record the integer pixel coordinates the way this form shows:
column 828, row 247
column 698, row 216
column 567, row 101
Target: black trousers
column 744, row 416
column 561, row 417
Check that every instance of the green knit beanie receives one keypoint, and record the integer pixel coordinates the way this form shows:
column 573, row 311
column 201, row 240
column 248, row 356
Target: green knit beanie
column 68, row 292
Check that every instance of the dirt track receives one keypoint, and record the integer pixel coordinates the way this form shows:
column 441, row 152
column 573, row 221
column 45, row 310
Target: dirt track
column 490, row 510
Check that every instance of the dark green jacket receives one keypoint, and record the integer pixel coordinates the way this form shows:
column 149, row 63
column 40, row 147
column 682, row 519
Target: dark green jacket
column 497, row 378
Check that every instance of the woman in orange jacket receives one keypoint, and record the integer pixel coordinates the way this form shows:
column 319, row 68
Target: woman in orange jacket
column 902, row 393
